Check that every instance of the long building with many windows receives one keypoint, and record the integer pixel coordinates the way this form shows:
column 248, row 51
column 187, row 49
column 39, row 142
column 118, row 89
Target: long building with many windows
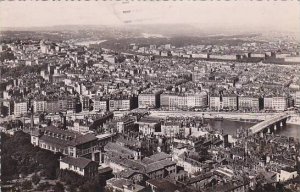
column 183, row 101
column 70, row 143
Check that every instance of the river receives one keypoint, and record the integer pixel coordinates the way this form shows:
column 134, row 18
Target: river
column 230, row 127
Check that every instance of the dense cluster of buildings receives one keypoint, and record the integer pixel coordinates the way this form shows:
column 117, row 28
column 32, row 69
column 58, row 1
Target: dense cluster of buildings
column 91, row 105
column 278, row 52
column 149, row 153
column 74, row 79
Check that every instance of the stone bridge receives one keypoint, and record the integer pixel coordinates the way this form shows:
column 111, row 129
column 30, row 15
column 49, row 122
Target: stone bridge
column 270, row 125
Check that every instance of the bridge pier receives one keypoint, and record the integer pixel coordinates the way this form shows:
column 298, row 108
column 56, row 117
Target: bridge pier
column 265, row 131
column 269, row 130
column 284, row 122
column 277, row 126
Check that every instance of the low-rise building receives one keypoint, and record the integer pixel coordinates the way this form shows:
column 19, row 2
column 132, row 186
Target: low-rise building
column 80, row 165
column 123, row 185
column 172, row 129
column 69, row 142
column 125, row 124
column 286, row 174
column 148, row 126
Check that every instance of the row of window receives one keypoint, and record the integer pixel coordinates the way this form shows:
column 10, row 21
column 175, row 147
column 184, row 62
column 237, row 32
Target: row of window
column 52, row 148
column 75, row 168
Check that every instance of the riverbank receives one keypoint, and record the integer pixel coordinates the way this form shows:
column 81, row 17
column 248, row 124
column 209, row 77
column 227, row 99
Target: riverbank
column 234, row 116
column 294, row 120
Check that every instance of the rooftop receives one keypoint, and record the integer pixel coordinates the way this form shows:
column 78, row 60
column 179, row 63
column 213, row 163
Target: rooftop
column 80, row 162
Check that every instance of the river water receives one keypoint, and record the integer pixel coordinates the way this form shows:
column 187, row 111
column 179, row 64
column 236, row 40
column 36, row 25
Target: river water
column 230, row 127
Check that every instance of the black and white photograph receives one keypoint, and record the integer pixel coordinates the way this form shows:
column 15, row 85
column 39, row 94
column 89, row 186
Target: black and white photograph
column 150, row 96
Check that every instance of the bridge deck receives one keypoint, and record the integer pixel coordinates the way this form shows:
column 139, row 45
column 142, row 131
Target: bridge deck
column 262, row 125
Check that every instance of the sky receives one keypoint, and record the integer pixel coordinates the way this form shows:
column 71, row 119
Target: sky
column 277, row 15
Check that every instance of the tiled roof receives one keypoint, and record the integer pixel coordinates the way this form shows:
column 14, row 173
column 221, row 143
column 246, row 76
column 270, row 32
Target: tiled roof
column 163, row 185
column 83, row 139
column 55, row 141
column 160, row 156
column 159, row 165
column 80, row 162
column 56, row 130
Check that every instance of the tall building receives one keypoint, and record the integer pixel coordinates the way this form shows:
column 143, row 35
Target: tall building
column 20, row 108
column 52, row 106
column 280, row 103
column 39, row 106
column 149, row 100
column 44, row 47
column 215, row 102
column 119, row 104
column 249, row 103
column 268, row 103
column 297, row 99
column 85, row 101
column 276, row 103
column 183, row 101
column 100, row 104
column 230, row 102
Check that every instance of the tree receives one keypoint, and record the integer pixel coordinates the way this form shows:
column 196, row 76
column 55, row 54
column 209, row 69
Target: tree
column 72, row 178
column 9, row 167
column 43, row 186
column 35, row 179
column 90, row 186
column 4, row 110
column 59, row 187
column 20, row 156
column 27, row 185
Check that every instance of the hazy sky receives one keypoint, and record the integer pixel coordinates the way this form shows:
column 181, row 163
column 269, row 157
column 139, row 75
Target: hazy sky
column 242, row 14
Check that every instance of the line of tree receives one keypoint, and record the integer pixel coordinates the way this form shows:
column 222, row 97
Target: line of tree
column 20, row 157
